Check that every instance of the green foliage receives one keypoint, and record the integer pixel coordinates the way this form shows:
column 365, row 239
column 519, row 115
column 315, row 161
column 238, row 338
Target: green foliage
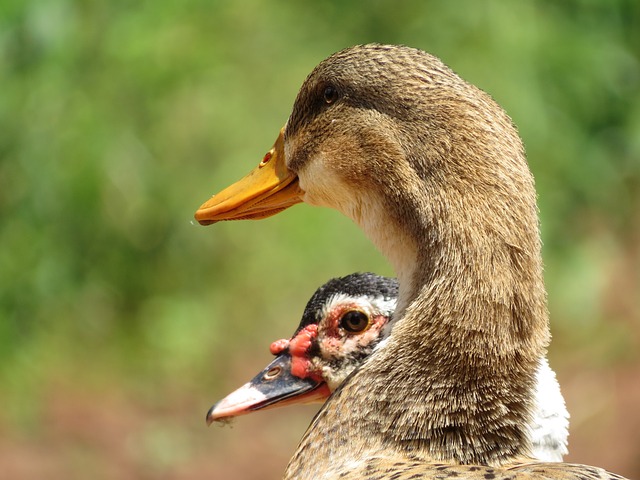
column 117, row 119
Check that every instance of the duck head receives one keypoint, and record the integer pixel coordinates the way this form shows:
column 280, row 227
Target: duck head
column 424, row 162
column 341, row 325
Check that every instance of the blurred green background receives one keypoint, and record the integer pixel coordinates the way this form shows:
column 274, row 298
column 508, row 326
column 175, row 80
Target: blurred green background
column 121, row 321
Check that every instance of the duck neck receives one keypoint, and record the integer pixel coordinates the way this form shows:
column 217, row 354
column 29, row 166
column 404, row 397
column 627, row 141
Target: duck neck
column 455, row 380
column 401, row 249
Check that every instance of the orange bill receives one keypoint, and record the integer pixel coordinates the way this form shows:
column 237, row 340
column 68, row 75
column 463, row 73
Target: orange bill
column 267, row 190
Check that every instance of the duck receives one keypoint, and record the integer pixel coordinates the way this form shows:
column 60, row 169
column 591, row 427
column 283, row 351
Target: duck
column 434, row 172
column 342, row 323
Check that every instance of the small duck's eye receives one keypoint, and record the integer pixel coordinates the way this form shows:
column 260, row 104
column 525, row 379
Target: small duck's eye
column 354, row 321
column 330, row 94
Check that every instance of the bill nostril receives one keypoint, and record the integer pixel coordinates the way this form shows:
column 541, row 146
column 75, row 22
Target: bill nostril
column 272, row 373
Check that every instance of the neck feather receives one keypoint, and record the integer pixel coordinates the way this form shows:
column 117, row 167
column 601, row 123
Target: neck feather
column 470, row 334
column 455, row 380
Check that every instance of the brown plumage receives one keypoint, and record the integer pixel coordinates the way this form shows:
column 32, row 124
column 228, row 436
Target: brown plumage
column 434, row 172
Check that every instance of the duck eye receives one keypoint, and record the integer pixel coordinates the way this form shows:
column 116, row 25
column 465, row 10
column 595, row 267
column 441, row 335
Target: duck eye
column 330, row 94
column 354, row 321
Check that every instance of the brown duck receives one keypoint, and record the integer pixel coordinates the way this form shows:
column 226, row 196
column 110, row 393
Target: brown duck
column 434, row 172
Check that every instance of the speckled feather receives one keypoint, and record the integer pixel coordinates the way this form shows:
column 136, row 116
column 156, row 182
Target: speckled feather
column 392, row 469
